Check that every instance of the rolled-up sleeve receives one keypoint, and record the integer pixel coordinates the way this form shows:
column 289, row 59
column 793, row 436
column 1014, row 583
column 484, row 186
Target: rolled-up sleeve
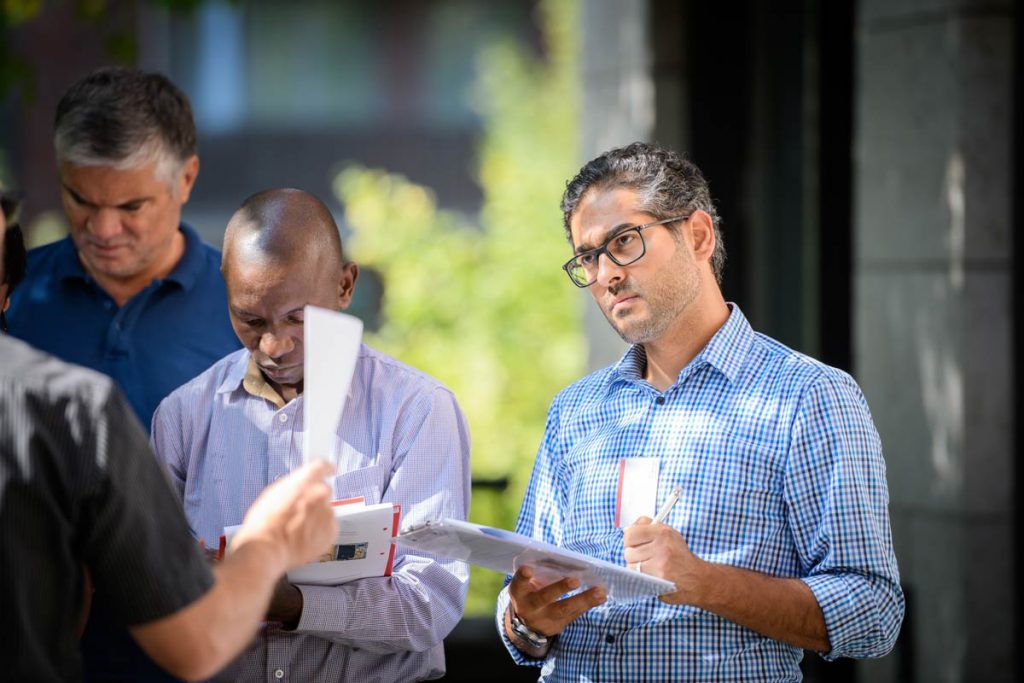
column 838, row 502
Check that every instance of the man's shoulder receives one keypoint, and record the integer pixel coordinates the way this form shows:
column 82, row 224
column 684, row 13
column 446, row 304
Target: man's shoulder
column 387, row 372
column 591, row 386
column 43, row 260
column 48, row 250
column 209, row 380
column 785, row 366
column 194, row 244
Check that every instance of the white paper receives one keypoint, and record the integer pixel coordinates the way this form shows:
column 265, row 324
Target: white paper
column 638, row 489
column 332, row 342
column 506, row 551
column 362, row 548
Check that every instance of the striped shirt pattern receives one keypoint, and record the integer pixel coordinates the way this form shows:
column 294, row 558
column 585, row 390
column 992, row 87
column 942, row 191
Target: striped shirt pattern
column 782, row 473
column 401, row 438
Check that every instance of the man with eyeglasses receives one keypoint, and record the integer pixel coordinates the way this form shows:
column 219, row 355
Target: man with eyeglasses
column 780, row 540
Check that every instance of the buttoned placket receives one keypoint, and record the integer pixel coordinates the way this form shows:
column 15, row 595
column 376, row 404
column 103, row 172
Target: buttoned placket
column 278, row 654
column 279, row 460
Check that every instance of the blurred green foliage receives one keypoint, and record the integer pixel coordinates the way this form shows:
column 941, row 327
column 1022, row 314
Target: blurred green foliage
column 485, row 307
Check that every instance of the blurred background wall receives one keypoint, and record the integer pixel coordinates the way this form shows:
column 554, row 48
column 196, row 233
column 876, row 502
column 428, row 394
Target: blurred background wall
column 865, row 156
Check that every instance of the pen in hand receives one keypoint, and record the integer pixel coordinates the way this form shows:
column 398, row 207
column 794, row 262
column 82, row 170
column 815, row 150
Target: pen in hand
column 667, row 507
column 662, row 516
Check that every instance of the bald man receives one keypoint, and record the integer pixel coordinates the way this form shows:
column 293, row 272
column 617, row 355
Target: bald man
column 401, row 438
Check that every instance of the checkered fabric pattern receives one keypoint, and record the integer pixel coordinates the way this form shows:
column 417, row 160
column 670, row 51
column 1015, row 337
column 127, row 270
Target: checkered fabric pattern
column 782, row 473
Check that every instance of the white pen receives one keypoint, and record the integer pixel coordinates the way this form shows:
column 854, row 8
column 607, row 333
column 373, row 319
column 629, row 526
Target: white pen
column 667, row 507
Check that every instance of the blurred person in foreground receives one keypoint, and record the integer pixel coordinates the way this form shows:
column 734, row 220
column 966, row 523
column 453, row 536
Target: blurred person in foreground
column 80, row 490
column 132, row 292
column 780, row 540
column 401, row 438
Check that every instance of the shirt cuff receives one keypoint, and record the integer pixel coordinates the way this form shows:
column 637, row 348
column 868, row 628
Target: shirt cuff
column 847, row 604
column 322, row 610
column 517, row 654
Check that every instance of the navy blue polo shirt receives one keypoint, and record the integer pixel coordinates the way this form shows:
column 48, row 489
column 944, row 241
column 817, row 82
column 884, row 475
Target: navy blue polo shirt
column 162, row 337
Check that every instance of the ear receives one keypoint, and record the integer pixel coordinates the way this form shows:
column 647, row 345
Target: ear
column 347, row 284
column 189, row 173
column 702, row 235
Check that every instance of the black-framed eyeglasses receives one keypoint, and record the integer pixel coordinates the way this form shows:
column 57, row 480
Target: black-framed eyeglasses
column 623, row 248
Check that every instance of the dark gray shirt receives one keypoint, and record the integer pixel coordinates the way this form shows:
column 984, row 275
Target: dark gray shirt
column 79, row 487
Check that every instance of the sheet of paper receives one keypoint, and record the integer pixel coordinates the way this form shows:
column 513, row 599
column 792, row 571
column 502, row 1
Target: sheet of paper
column 363, row 547
column 505, row 551
column 637, row 491
column 331, row 348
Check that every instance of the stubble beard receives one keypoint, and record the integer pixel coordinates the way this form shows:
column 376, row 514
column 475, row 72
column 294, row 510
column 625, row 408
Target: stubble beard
column 666, row 301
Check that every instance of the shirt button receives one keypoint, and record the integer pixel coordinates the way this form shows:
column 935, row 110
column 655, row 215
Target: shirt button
column 609, row 638
column 283, row 418
column 279, row 674
column 660, row 400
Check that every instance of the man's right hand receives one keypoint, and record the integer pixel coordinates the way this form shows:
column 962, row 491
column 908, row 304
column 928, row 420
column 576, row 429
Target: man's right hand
column 538, row 605
column 293, row 515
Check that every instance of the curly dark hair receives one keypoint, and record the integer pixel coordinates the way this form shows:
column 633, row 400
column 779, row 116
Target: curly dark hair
column 667, row 183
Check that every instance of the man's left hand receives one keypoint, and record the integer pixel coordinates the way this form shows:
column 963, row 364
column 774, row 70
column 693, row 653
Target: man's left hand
column 285, row 604
column 660, row 550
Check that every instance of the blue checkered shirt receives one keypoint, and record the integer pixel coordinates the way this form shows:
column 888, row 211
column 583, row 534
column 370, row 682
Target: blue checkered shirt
column 782, row 473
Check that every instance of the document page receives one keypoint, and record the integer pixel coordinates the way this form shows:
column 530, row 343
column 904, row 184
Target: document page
column 364, row 546
column 505, row 551
column 331, row 348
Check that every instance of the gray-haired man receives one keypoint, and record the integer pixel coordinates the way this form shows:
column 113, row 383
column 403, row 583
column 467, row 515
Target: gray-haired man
column 132, row 292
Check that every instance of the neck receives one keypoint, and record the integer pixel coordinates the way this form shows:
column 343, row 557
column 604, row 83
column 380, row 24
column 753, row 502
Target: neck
column 121, row 289
column 680, row 344
column 288, row 392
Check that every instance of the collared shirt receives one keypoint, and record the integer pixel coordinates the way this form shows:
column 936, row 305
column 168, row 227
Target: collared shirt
column 159, row 339
column 782, row 473
column 79, row 487
column 401, row 438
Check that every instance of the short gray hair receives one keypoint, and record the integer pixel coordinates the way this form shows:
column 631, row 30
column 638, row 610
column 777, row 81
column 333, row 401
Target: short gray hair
column 667, row 185
column 125, row 118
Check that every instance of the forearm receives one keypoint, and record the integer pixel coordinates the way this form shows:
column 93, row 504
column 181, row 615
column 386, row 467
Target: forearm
column 784, row 609
column 199, row 640
column 413, row 610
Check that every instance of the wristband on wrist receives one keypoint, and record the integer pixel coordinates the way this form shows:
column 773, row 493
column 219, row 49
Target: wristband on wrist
column 527, row 635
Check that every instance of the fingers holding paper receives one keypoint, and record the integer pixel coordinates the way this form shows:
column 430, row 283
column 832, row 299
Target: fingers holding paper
column 660, row 550
column 293, row 516
column 540, row 605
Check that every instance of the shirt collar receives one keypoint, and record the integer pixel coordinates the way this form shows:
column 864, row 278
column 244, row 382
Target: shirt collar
column 190, row 266
column 186, row 272
column 243, row 373
column 66, row 265
column 726, row 351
